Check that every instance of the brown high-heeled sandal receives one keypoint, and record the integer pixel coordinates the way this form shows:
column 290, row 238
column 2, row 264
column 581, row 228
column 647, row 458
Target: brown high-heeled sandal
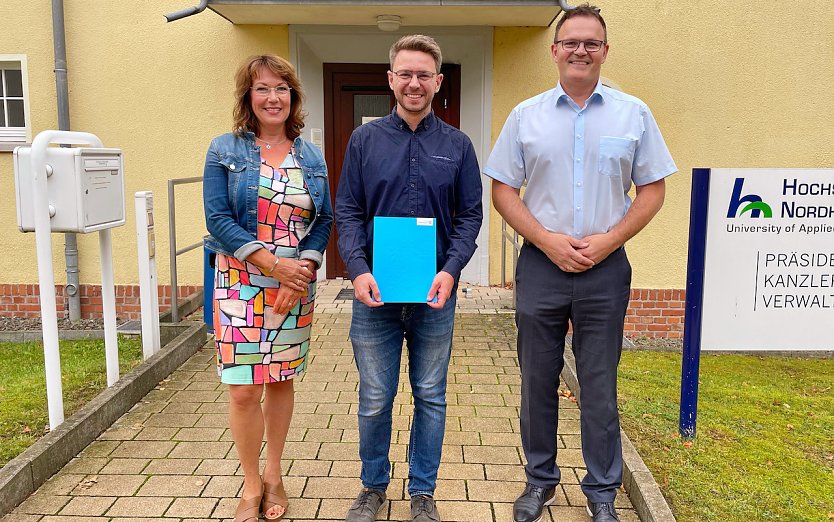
column 248, row 510
column 274, row 495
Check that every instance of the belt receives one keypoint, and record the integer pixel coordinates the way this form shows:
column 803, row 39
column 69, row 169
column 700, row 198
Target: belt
column 528, row 243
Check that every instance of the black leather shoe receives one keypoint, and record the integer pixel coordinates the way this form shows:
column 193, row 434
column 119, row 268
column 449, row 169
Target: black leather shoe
column 602, row 512
column 530, row 505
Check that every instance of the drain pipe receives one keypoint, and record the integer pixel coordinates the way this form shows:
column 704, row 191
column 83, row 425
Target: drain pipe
column 62, row 91
column 187, row 11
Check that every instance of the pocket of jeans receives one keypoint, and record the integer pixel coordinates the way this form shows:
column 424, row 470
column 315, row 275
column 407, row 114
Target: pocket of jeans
column 320, row 179
column 616, row 156
column 234, row 171
column 233, row 163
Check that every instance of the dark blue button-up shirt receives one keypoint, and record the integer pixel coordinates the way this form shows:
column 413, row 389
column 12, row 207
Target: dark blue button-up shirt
column 389, row 170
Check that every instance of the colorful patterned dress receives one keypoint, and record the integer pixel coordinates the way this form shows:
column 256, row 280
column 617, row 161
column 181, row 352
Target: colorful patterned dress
column 254, row 344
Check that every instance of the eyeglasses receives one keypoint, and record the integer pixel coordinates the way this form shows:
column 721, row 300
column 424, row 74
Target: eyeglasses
column 423, row 76
column 281, row 90
column 591, row 46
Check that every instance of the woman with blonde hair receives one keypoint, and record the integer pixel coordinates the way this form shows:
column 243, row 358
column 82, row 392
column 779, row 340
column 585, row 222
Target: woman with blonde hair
column 269, row 216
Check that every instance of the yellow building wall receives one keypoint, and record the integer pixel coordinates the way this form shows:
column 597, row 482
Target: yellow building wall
column 726, row 81
column 731, row 84
column 158, row 91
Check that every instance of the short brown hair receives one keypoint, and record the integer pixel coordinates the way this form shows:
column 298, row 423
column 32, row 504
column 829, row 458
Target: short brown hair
column 581, row 10
column 244, row 118
column 417, row 42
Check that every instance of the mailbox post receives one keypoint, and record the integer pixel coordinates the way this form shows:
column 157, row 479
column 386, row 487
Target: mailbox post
column 84, row 193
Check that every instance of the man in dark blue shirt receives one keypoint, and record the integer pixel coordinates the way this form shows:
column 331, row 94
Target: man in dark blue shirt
column 407, row 164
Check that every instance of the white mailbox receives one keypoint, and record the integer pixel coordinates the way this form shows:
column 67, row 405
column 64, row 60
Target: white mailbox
column 85, row 189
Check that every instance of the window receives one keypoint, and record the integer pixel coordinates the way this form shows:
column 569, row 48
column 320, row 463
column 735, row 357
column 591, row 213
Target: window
column 14, row 110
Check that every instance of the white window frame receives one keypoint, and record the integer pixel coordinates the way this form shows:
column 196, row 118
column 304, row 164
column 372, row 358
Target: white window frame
column 11, row 137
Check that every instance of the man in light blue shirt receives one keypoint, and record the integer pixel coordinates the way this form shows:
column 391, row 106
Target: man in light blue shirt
column 579, row 147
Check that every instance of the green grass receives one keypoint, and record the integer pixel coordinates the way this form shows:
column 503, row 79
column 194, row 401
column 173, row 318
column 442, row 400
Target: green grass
column 764, row 448
column 23, row 412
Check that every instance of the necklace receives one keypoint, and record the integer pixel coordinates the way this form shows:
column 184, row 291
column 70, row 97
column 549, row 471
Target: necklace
column 270, row 145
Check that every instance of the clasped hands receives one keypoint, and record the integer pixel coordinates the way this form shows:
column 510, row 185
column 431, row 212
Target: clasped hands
column 294, row 276
column 577, row 255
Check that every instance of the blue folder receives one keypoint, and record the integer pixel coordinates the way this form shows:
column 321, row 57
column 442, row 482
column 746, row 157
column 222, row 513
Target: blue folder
column 404, row 258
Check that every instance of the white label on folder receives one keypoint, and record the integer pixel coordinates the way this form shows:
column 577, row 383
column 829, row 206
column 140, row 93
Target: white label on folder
column 426, row 222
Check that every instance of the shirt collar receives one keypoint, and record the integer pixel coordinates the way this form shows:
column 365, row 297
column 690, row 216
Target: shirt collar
column 425, row 124
column 562, row 96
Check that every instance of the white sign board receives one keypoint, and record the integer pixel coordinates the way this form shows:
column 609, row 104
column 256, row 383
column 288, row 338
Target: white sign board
column 769, row 267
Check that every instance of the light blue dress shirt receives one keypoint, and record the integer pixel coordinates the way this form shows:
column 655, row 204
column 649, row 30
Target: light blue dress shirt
column 579, row 162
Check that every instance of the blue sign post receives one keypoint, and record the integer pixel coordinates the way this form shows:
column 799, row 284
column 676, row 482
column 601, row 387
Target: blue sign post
column 694, row 302
column 767, row 263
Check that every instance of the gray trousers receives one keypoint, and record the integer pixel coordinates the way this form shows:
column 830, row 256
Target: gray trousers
column 594, row 302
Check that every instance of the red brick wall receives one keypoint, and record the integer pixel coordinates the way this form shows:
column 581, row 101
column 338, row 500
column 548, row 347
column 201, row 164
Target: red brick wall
column 23, row 300
column 655, row 313
column 651, row 313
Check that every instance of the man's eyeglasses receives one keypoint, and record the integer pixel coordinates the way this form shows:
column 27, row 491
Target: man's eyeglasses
column 423, row 76
column 281, row 90
column 591, row 46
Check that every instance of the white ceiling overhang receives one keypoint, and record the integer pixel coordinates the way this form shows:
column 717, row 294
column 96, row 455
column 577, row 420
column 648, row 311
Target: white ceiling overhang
column 412, row 13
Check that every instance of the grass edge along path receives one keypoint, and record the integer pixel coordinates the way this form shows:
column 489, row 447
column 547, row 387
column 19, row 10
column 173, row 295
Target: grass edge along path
column 764, row 448
column 23, row 412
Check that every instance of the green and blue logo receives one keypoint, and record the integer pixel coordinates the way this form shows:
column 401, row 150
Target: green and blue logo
column 754, row 203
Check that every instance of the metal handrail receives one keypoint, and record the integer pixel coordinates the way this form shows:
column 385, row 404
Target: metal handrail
column 172, row 238
column 513, row 240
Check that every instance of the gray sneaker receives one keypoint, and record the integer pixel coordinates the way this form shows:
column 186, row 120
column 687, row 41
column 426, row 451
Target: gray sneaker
column 423, row 509
column 365, row 506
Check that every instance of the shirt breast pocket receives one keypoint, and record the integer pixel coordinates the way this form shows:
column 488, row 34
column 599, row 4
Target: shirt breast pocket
column 442, row 163
column 616, row 156
column 440, row 176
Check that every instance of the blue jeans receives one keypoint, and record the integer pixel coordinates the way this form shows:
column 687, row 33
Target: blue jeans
column 377, row 336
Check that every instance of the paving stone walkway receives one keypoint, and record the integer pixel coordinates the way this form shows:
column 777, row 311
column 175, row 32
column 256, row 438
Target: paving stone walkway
column 171, row 457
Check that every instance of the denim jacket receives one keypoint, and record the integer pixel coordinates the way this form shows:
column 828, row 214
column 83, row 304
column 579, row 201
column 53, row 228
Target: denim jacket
column 230, row 196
